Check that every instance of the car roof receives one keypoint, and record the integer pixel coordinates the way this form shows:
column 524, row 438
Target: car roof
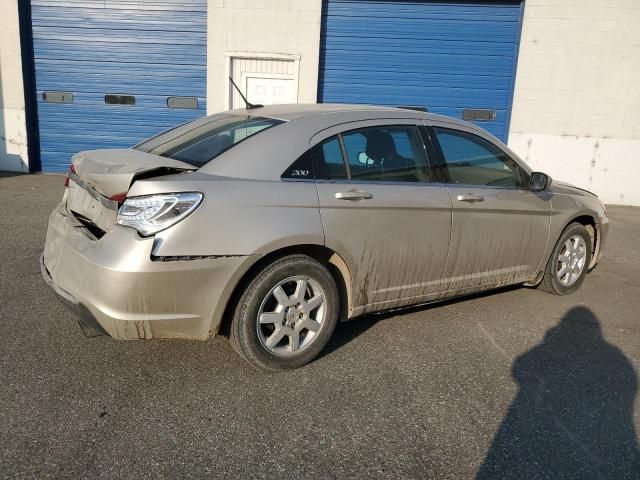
column 277, row 147
column 294, row 111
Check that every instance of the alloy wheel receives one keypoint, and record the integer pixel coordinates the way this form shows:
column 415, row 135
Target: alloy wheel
column 291, row 315
column 571, row 260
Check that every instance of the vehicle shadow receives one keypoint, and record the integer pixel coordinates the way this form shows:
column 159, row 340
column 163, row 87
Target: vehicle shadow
column 573, row 414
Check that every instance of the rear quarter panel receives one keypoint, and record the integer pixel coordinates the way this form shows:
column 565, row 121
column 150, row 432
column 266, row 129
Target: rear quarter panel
column 238, row 216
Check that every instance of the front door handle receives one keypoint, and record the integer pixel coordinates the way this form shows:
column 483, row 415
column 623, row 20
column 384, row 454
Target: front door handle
column 354, row 195
column 470, row 198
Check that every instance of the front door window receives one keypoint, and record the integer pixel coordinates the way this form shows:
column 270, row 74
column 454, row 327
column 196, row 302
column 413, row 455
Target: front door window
column 471, row 160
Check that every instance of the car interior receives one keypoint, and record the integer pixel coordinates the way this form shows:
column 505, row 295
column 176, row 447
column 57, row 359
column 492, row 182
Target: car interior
column 381, row 154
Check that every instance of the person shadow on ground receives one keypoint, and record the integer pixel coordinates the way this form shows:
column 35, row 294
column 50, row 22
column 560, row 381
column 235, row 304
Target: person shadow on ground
column 573, row 414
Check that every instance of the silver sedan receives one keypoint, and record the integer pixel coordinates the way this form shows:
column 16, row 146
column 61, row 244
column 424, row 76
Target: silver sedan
column 271, row 224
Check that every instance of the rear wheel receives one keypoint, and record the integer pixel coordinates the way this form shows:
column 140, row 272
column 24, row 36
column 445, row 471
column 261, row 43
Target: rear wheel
column 286, row 315
column 569, row 261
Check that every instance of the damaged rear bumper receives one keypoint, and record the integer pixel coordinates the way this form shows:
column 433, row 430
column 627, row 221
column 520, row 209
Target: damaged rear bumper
column 86, row 320
column 117, row 289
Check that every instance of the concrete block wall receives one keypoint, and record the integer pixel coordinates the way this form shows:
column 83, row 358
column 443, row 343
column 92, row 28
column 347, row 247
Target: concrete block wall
column 576, row 112
column 289, row 27
column 13, row 131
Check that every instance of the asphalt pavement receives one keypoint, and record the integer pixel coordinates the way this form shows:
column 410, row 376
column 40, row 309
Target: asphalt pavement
column 513, row 384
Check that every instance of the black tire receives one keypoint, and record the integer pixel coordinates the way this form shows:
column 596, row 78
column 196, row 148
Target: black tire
column 550, row 282
column 244, row 335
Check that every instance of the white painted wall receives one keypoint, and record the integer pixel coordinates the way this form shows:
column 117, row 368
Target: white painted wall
column 263, row 27
column 13, row 131
column 576, row 112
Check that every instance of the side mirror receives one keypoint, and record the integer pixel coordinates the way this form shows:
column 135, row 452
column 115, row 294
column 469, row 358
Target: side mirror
column 539, row 181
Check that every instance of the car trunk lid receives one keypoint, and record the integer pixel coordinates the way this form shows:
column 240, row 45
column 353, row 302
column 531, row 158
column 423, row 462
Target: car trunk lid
column 111, row 172
column 100, row 179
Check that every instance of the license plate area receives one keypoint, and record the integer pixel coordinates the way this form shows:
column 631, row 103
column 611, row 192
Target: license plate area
column 91, row 206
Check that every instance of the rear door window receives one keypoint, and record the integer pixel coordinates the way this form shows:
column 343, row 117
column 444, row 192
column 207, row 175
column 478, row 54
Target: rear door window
column 386, row 153
column 201, row 141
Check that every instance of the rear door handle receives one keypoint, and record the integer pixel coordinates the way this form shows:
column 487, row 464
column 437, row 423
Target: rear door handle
column 354, row 195
column 470, row 198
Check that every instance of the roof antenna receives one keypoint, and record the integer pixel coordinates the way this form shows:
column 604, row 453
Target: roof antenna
column 247, row 104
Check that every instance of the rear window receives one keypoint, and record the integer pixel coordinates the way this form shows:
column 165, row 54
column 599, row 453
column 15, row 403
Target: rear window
column 201, row 141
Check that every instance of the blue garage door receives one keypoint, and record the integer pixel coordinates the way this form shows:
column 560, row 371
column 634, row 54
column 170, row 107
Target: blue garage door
column 446, row 56
column 110, row 73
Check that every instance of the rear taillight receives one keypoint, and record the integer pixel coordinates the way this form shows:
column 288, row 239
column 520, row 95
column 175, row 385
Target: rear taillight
column 150, row 214
column 118, row 197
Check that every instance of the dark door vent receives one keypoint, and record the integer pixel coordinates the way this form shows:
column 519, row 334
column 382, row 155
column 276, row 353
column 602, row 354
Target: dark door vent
column 478, row 115
column 119, row 99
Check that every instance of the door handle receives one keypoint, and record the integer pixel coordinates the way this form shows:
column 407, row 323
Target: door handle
column 470, row 198
column 354, row 195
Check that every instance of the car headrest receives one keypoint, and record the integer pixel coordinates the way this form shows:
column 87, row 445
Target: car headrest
column 379, row 145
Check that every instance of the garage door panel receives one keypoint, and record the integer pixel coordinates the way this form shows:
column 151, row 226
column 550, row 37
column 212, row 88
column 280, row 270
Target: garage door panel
column 440, row 28
column 117, row 35
column 72, row 128
column 422, row 44
column 121, row 22
column 96, row 122
column 112, row 124
column 167, row 5
column 173, row 54
column 149, row 49
column 400, row 9
column 438, row 15
column 131, row 81
column 103, row 13
column 460, row 98
column 457, row 64
column 386, row 28
column 416, row 78
column 55, row 66
column 447, row 56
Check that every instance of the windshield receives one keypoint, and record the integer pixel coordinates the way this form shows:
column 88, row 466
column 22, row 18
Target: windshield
column 200, row 141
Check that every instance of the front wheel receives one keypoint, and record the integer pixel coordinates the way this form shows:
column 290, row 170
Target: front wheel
column 569, row 261
column 286, row 315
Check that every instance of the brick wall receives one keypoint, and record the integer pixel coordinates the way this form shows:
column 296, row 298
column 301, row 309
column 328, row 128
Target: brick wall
column 576, row 110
